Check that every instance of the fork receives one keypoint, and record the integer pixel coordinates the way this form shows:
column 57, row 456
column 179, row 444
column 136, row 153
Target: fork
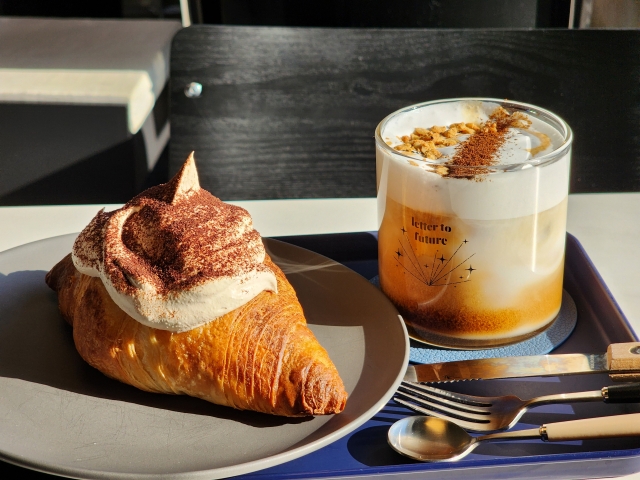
column 485, row 414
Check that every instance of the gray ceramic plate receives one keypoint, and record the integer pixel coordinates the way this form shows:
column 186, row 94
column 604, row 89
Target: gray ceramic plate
column 59, row 415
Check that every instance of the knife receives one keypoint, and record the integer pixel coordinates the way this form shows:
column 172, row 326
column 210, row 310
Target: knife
column 621, row 362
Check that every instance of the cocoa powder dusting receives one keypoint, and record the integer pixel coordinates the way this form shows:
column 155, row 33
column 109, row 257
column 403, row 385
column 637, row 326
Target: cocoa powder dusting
column 189, row 242
column 90, row 236
column 172, row 237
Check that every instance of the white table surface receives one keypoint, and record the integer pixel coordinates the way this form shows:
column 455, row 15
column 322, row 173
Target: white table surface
column 607, row 226
column 86, row 61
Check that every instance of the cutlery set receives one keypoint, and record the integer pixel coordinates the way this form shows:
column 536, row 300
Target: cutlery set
column 442, row 435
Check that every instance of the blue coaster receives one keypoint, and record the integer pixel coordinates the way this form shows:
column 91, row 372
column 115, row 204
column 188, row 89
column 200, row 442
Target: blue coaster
column 542, row 343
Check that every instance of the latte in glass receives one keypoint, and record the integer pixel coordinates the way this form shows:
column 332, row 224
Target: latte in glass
column 472, row 203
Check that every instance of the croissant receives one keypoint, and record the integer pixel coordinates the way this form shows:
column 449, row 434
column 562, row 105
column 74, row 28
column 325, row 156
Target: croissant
column 175, row 293
column 261, row 356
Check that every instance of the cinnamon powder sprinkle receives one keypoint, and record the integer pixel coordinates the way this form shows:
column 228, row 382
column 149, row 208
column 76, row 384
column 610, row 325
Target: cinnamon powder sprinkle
column 478, row 150
column 481, row 147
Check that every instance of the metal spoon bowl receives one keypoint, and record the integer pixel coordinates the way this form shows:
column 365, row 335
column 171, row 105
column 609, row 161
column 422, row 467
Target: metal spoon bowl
column 432, row 439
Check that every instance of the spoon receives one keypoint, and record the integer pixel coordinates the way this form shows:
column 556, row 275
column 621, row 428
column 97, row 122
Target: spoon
column 431, row 439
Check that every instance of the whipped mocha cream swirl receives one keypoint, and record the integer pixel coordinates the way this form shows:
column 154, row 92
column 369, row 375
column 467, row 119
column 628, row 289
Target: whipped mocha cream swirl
column 175, row 257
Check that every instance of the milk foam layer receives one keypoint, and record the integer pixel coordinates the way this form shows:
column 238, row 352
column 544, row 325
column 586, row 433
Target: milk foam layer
column 525, row 190
column 175, row 257
column 515, row 150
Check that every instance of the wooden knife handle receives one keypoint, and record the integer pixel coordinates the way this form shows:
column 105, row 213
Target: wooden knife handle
column 601, row 427
column 624, row 356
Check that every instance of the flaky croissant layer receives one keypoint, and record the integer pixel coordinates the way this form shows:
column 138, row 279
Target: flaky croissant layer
column 261, row 356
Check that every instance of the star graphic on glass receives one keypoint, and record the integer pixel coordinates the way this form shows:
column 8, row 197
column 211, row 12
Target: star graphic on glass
column 398, row 253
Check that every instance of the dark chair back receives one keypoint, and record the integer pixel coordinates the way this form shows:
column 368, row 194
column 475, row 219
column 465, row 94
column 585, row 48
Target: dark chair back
column 291, row 112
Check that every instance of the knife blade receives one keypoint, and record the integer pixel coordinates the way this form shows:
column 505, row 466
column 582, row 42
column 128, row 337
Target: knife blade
column 621, row 362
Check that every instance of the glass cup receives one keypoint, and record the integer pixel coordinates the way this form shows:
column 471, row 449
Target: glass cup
column 471, row 254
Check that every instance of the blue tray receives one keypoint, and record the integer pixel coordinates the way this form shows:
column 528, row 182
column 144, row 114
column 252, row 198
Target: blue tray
column 365, row 453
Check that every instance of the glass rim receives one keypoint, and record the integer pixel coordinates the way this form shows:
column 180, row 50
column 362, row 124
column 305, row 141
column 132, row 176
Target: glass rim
column 549, row 117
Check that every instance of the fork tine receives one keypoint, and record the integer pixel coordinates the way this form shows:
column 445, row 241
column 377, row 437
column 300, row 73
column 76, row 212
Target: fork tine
column 451, row 401
column 452, row 413
column 469, row 400
column 467, row 425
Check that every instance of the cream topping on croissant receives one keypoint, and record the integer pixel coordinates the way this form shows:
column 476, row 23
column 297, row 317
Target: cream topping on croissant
column 175, row 257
